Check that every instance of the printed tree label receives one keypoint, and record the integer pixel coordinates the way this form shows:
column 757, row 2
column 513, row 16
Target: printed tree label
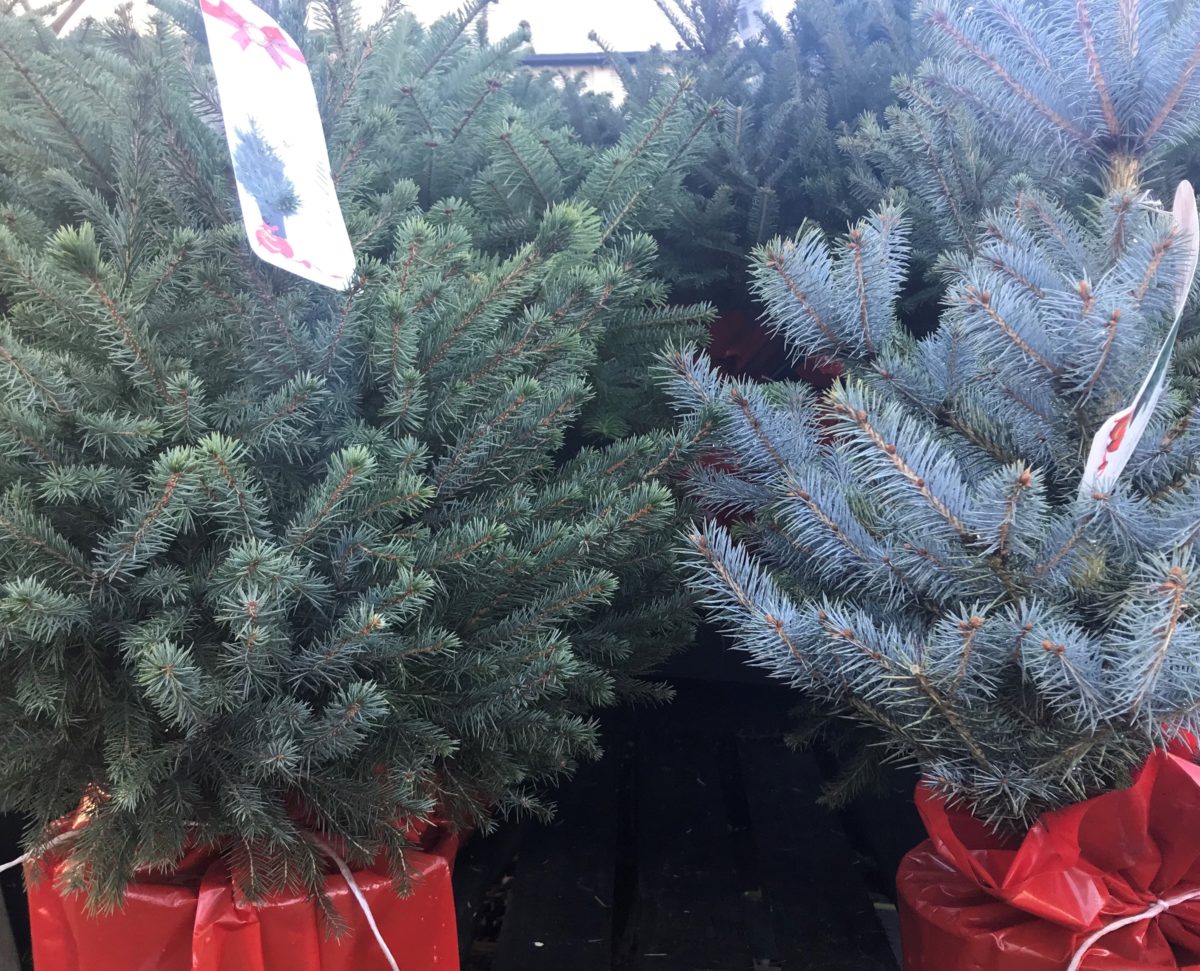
column 280, row 160
column 1113, row 445
column 749, row 19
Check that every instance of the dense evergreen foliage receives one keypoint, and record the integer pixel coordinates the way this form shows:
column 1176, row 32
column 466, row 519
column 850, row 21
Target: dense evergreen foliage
column 1080, row 98
column 276, row 559
column 911, row 548
column 787, row 96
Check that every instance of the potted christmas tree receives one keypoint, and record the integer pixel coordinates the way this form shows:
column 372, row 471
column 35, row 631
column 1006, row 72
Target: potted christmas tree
column 981, row 543
column 266, row 182
column 921, row 557
column 294, row 579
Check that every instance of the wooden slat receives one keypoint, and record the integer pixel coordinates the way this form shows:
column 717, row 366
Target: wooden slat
column 822, row 915
column 695, row 845
column 560, row 910
column 12, row 888
column 477, row 870
column 691, row 895
column 8, row 947
column 884, row 822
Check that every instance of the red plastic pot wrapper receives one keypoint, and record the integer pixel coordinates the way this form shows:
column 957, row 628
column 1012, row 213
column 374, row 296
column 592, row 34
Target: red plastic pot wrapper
column 194, row 920
column 971, row 901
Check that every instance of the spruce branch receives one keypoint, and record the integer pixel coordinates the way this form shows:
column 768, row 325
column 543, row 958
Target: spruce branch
column 450, row 29
column 1083, row 20
column 1170, row 103
column 27, row 76
column 915, row 553
column 942, row 22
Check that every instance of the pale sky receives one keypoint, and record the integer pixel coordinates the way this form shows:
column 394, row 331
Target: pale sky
column 559, row 26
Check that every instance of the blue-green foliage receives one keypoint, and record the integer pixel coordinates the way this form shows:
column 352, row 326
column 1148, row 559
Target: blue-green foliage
column 1084, row 80
column 912, row 551
column 1079, row 97
column 276, row 559
column 785, row 97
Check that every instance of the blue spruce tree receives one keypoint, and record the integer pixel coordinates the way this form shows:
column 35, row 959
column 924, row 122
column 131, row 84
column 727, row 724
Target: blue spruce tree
column 918, row 557
column 1077, row 97
column 912, row 548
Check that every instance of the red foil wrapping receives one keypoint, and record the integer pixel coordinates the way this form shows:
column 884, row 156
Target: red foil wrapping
column 970, row 901
column 193, row 920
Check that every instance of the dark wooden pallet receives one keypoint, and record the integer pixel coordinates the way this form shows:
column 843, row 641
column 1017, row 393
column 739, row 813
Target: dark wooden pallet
column 695, row 845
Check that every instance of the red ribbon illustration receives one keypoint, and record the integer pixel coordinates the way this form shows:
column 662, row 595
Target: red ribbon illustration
column 1115, row 438
column 271, row 39
column 269, row 239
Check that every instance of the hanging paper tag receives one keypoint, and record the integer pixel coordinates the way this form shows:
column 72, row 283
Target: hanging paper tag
column 289, row 204
column 1117, row 438
column 749, row 19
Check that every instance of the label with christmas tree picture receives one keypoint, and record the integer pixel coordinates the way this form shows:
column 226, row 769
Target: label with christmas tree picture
column 280, row 160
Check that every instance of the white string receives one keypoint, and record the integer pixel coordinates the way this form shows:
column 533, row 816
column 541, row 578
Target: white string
column 19, row 861
column 26, row 857
column 362, row 901
column 337, row 861
column 1148, row 914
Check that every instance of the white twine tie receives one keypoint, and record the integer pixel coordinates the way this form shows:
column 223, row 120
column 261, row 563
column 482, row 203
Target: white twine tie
column 1158, row 907
column 33, row 854
column 347, row 875
column 362, row 900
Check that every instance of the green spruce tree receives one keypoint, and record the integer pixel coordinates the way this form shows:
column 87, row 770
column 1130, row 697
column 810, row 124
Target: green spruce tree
column 786, row 95
column 454, row 110
column 276, row 559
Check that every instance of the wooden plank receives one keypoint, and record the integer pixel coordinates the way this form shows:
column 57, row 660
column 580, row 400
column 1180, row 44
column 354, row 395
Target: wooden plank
column 478, row 870
column 822, row 915
column 754, row 909
column 691, row 896
column 560, row 909
column 15, row 903
column 8, row 947
column 884, row 823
